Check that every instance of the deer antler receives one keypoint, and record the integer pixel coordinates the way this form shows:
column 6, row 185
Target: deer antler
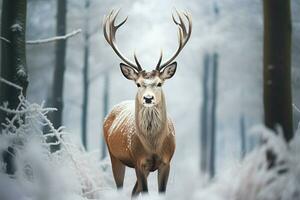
column 183, row 36
column 109, row 23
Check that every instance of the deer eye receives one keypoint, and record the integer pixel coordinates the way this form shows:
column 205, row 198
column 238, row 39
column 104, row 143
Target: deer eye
column 138, row 85
column 159, row 85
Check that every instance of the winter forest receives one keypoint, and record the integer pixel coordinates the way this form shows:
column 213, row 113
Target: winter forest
column 233, row 105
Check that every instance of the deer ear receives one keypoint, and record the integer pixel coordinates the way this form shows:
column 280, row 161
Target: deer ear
column 169, row 71
column 128, row 72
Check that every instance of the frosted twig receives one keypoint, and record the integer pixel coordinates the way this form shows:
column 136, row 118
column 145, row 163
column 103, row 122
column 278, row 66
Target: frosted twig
column 12, row 111
column 5, row 40
column 11, row 84
column 65, row 146
column 52, row 143
column 52, row 39
column 53, row 134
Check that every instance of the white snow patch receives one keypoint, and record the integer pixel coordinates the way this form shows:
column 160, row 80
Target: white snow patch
column 21, row 71
column 125, row 119
column 16, row 27
column 125, row 112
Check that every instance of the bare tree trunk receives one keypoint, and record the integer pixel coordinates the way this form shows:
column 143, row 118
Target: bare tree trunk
column 204, row 115
column 213, row 116
column 13, row 53
column 277, row 66
column 85, row 100
column 105, row 109
column 59, row 71
column 243, row 136
column 13, row 62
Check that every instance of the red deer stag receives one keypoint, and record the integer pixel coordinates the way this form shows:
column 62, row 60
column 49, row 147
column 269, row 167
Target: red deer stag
column 138, row 133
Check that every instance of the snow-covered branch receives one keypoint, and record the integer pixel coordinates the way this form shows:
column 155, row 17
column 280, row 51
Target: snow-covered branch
column 11, row 84
column 5, row 40
column 52, row 39
column 47, row 40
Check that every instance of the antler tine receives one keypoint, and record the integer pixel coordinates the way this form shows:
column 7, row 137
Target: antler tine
column 184, row 35
column 109, row 24
column 104, row 29
column 137, row 62
column 159, row 60
column 181, row 24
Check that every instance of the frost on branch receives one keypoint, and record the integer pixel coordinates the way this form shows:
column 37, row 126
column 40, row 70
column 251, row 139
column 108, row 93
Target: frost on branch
column 70, row 173
column 16, row 27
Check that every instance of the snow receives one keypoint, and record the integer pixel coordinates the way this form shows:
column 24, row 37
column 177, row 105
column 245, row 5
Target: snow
column 16, row 27
column 70, row 173
column 271, row 171
column 125, row 120
column 125, row 112
column 259, row 177
column 21, row 71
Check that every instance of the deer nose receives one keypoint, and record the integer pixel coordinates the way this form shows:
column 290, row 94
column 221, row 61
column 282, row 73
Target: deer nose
column 148, row 98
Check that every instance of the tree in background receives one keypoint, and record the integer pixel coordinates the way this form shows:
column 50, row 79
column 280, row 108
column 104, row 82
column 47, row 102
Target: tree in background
column 13, row 52
column 208, row 130
column 13, row 62
column 85, row 95
column 204, row 115
column 88, row 80
column 105, row 110
column 212, row 151
column 243, row 136
column 277, row 66
column 56, row 99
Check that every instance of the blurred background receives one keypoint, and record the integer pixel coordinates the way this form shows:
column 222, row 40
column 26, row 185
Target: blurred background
column 215, row 96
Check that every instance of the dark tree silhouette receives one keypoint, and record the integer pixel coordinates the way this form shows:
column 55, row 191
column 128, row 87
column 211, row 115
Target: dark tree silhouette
column 56, row 99
column 13, row 52
column 85, row 100
column 277, row 66
column 204, row 115
column 243, row 136
column 208, row 114
column 13, row 62
column 105, row 109
column 213, row 115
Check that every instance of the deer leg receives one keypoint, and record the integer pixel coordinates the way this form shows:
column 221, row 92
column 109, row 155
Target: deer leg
column 134, row 190
column 118, row 169
column 162, row 176
column 141, row 184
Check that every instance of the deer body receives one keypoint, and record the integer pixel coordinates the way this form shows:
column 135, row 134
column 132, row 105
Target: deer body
column 130, row 145
column 139, row 133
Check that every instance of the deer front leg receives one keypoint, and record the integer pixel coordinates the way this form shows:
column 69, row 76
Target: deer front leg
column 142, row 171
column 162, row 176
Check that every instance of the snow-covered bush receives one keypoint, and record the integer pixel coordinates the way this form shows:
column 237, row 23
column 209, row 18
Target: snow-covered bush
column 70, row 173
column 269, row 172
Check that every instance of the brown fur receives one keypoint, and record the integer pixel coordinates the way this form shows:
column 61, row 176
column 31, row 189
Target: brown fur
column 146, row 143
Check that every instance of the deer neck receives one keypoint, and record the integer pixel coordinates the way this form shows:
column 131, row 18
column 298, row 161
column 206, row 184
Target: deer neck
column 150, row 121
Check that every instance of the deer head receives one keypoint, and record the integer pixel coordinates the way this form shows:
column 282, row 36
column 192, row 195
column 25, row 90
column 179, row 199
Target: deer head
column 149, row 83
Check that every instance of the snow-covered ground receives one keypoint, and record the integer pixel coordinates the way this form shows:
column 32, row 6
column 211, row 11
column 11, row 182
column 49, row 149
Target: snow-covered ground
column 270, row 172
